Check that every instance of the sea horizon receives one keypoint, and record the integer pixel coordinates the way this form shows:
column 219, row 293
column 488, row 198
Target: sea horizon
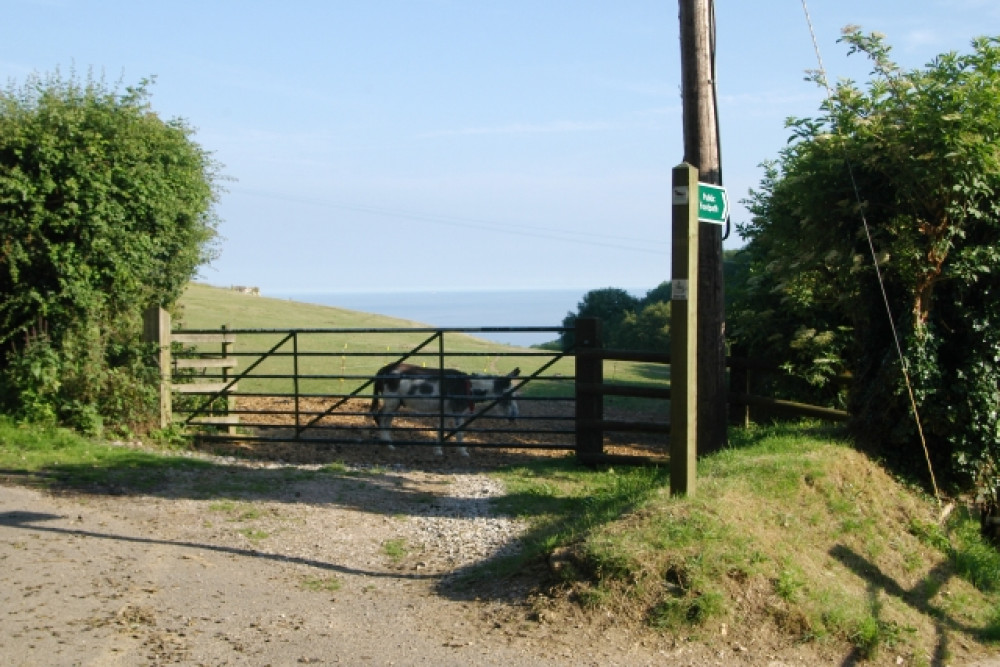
column 287, row 293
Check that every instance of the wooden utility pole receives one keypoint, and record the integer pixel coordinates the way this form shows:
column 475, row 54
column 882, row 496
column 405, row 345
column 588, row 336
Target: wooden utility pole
column 701, row 149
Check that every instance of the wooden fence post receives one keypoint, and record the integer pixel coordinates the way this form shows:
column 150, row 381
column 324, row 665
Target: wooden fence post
column 684, row 331
column 739, row 383
column 227, row 347
column 156, row 330
column 589, row 404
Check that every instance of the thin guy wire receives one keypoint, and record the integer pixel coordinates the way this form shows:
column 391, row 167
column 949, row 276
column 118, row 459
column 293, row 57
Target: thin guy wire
column 878, row 271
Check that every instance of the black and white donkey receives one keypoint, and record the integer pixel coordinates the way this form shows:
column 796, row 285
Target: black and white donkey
column 419, row 389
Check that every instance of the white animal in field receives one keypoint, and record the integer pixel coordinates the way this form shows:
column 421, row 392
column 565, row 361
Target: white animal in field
column 419, row 389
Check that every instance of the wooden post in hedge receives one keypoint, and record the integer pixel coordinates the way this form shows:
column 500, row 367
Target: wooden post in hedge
column 589, row 403
column 156, row 330
column 739, row 383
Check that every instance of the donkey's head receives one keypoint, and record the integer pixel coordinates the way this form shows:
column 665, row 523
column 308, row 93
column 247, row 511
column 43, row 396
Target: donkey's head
column 499, row 388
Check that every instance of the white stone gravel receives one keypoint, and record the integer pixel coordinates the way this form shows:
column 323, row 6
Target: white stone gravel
column 455, row 525
column 461, row 526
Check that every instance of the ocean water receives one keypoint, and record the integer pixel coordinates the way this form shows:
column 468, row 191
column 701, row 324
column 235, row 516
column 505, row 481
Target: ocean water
column 493, row 308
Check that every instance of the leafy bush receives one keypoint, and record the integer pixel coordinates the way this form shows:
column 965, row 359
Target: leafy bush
column 105, row 209
column 914, row 161
column 30, row 382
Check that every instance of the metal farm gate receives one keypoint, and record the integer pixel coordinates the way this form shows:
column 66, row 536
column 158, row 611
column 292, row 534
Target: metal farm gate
column 316, row 386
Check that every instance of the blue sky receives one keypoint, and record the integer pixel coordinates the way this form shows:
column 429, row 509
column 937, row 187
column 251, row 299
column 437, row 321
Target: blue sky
column 461, row 144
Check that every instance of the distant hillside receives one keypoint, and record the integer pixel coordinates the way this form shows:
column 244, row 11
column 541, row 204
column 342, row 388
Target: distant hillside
column 207, row 307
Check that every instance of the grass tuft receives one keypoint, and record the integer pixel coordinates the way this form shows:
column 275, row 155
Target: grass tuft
column 321, row 584
column 396, row 549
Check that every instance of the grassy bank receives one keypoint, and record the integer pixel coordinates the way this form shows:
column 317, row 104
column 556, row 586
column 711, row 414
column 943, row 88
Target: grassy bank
column 792, row 534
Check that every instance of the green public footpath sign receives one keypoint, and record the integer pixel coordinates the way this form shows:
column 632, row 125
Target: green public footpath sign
column 713, row 204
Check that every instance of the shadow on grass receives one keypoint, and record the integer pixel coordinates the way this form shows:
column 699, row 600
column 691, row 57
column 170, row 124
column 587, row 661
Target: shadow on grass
column 560, row 520
column 655, row 372
column 919, row 598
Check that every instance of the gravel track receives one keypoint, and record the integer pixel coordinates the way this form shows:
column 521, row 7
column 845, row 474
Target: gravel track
column 289, row 569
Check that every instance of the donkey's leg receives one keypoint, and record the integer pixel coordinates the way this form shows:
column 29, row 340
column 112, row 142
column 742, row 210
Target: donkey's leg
column 456, row 422
column 437, row 448
column 385, row 431
column 438, row 451
column 459, row 422
column 384, row 420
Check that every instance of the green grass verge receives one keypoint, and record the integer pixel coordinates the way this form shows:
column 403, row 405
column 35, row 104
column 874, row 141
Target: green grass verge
column 50, row 457
column 790, row 527
column 56, row 458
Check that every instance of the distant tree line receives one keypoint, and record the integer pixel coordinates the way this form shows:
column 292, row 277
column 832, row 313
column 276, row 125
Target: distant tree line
column 631, row 322
column 627, row 321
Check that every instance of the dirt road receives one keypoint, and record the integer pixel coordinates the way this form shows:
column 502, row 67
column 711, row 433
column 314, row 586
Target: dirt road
column 361, row 571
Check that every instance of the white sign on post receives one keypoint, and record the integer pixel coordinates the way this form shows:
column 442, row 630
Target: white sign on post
column 680, row 195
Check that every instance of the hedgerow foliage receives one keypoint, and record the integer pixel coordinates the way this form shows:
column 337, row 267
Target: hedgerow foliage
column 105, row 209
column 923, row 149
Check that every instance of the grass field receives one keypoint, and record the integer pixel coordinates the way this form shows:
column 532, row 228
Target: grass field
column 339, row 362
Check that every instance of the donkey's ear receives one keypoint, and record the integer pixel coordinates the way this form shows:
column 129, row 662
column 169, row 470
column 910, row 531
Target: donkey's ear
column 514, row 373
